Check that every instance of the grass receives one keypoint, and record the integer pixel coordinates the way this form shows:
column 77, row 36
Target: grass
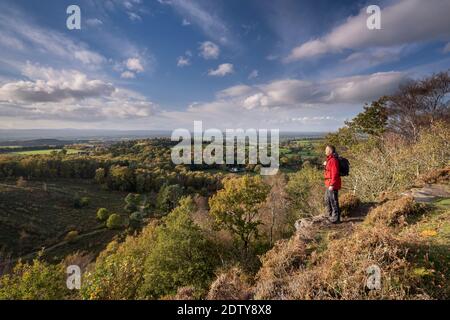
column 31, row 218
column 43, row 152
column 412, row 254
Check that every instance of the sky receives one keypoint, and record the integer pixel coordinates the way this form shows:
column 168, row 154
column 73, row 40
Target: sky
column 293, row 65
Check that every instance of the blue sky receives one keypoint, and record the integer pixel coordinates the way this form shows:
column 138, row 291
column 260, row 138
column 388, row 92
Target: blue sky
column 294, row 65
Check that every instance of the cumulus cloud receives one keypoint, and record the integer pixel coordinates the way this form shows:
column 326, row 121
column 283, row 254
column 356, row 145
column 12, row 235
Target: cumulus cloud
column 134, row 64
column 50, row 85
column 222, row 70
column 48, row 93
column 128, row 75
column 209, row 50
column 405, row 21
column 288, row 104
column 183, row 61
column 293, row 93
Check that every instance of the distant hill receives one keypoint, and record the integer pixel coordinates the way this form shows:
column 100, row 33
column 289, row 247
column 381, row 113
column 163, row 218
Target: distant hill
column 11, row 135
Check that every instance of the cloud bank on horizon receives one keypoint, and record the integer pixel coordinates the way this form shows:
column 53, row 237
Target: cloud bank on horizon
column 162, row 64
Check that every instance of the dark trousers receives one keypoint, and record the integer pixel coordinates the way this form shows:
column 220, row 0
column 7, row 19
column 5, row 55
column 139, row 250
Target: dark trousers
column 332, row 205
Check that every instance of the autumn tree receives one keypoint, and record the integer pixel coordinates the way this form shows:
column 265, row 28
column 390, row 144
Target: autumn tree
column 180, row 256
column 236, row 207
column 372, row 120
column 419, row 104
column 168, row 197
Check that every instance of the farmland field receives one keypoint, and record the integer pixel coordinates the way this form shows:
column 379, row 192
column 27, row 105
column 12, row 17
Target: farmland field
column 44, row 151
column 32, row 218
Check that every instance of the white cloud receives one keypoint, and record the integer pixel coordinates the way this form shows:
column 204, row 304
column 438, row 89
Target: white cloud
column 69, row 95
column 235, row 91
column 11, row 42
column 134, row 64
column 50, row 85
column 293, row 93
column 405, row 21
column 185, row 22
column 447, row 48
column 287, row 104
column 94, row 22
column 89, row 57
column 134, row 16
column 254, row 74
column 209, row 50
column 19, row 34
column 183, row 61
column 128, row 75
column 204, row 16
column 222, row 70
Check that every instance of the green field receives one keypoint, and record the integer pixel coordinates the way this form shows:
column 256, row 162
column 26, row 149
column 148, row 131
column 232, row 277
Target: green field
column 32, row 218
column 44, row 151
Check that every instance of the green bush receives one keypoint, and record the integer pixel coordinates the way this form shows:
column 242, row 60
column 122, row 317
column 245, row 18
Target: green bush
column 102, row 214
column 168, row 198
column 119, row 270
column 114, row 221
column 35, row 281
column 71, row 236
column 80, row 202
column 181, row 256
column 305, row 192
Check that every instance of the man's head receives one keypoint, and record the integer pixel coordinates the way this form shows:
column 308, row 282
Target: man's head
column 330, row 149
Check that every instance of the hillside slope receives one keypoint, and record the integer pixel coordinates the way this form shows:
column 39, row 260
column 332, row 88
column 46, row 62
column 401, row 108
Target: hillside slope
column 406, row 236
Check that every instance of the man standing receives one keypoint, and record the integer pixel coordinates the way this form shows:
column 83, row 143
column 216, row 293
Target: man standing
column 333, row 184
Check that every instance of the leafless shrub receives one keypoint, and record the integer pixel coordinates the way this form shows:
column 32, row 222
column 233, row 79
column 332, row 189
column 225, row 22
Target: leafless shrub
column 230, row 285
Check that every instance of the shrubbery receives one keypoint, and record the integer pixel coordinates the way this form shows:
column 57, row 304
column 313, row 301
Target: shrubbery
column 181, row 256
column 102, row 214
column 154, row 264
column 114, row 221
column 35, row 281
column 305, row 190
column 80, row 202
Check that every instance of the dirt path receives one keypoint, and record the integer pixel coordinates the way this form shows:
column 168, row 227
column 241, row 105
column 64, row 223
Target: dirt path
column 429, row 192
column 33, row 254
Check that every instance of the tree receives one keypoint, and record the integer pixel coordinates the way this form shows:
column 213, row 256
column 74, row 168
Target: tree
column 132, row 202
column 121, row 178
column 419, row 104
column 236, row 207
column 168, row 198
column 102, row 214
column 35, row 281
column 80, row 202
column 181, row 255
column 114, row 221
column 100, row 176
column 371, row 121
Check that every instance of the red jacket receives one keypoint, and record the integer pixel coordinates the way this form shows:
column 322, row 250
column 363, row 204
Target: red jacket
column 332, row 177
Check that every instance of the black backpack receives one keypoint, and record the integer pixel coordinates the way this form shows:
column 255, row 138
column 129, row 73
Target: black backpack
column 344, row 166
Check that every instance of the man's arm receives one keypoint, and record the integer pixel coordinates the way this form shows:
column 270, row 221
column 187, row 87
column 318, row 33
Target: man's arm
column 334, row 171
